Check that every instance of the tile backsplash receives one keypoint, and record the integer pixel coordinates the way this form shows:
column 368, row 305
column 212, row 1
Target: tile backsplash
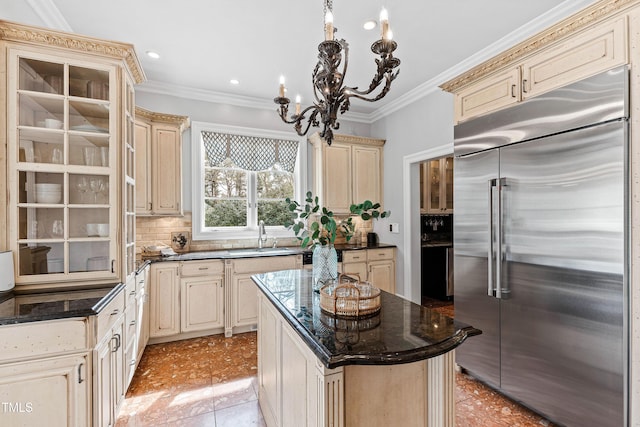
column 151, row 231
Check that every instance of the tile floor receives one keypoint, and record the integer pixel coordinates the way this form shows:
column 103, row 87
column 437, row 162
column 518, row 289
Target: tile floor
column 211, row 382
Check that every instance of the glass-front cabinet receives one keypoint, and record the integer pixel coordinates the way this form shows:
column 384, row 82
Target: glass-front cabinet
column 437, row 184
column 66, row 204
column 69, row 131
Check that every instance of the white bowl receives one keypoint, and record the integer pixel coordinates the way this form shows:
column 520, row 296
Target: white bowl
column 48, row 186
column 48, row 197
column 97, row 230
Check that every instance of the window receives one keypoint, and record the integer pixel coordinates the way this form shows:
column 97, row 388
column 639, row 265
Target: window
column 242, row 176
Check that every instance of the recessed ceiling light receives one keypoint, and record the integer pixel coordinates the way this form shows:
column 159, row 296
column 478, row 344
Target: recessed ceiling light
column 370, row 25
column 234, row 81
column 152, row 54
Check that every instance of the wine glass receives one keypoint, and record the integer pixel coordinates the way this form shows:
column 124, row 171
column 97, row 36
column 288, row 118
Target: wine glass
column 82, row 185
column 96, row 185
column 57, row 228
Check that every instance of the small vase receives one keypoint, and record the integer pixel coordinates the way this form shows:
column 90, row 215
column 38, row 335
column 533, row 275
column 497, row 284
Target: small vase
column 325, row 265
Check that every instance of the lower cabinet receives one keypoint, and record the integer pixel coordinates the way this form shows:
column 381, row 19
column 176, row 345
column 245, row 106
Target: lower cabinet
column 186, row 297
column 109, row 374
column 375, row 265
column 201, row 303
column 164, row 294
column 142, row 305
column 53, row 392
column 241, row 304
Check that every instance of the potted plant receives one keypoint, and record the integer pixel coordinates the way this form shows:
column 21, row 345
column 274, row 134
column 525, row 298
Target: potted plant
column 366, row 210
column 316, row 228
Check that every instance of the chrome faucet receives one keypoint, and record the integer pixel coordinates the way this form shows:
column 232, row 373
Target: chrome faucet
column 262, row 235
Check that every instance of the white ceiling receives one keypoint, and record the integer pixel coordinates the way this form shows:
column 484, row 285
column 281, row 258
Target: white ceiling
column 205, row 43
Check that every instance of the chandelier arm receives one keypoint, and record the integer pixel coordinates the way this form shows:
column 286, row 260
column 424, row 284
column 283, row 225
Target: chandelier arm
column 354, row 92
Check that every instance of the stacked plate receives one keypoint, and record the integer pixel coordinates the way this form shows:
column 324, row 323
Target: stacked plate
column 48, row 193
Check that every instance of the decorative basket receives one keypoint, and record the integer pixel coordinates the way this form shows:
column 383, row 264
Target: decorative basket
column 350, row 299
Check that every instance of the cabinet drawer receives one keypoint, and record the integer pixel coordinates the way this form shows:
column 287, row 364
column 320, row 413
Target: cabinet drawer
column 201, row 268
column 264, row 264
column 130, row 324
column 377, row 254
column 130, row 292
column 354, row 256
column 26, row 340
column 109, row 315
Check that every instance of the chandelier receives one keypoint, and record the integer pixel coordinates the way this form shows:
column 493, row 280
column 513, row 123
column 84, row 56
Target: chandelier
column 331, row 95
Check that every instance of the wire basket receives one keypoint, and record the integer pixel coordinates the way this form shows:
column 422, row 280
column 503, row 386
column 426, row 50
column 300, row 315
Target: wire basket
column 350, row 298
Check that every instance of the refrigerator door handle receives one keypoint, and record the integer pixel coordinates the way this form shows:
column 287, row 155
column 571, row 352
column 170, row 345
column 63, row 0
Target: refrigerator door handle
column 500, row 184
column 490, row 251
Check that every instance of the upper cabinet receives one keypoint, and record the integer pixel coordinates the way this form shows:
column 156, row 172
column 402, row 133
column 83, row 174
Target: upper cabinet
column 348, row 171
column 504, row 81
column 437, row 186
column 159, row 162
column 66, row 137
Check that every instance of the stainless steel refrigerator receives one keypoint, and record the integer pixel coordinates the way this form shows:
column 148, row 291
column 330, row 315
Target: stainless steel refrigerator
column 540, row 243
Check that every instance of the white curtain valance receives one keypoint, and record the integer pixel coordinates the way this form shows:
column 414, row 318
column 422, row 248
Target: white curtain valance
column 249, row 152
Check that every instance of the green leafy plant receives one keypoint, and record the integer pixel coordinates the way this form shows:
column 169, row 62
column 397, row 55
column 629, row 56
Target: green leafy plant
column 322, row 228
column 366, row 210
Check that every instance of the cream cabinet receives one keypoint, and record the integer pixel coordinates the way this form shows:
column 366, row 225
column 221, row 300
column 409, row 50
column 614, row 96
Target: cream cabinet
column 159, row 162
column 201, row 295
column 593, row 50
column 51, row 392
column 241, row 304
column 45, row 373
column 109, row 374
column 375, row 265
column 65, row 109
column 164, row 299
column 437, row 187
column 349, row 171
column 186, row 297
column 142, row 305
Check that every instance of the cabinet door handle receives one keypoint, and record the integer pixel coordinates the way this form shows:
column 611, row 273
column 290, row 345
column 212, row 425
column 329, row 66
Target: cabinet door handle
column 203, row 268
column 118, row 342
column 80, row 380
column 113, row 265
column 115, row 311
column 133, row 323
column 524, row 86
column 132, row 293
column 513, row 90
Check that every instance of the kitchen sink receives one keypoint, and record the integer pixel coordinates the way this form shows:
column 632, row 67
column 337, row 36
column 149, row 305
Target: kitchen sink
column 261, row 251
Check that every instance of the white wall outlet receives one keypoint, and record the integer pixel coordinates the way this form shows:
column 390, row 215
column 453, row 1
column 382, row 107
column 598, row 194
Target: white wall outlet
column 394, row 227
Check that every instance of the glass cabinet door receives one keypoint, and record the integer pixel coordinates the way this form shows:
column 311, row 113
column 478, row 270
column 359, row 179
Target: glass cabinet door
column 63, row 168
column 447, row 184
column 434, row 185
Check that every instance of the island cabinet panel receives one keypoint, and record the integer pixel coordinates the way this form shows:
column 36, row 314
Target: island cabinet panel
column 391, row 369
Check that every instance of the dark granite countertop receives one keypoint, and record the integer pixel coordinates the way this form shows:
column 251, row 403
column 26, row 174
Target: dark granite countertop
column 32, row 307
column 401, row 332
column 254, row 252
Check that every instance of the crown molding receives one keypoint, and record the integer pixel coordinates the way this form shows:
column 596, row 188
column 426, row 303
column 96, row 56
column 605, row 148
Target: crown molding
column 577, row 16
column 552, row 16
column 152, row 116
column 50, row 14
column 206, row 95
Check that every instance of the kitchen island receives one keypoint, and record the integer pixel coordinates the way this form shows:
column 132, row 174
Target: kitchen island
column 314, row 369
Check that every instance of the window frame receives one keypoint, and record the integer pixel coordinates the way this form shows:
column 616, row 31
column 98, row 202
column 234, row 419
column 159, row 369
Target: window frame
column 198, row 231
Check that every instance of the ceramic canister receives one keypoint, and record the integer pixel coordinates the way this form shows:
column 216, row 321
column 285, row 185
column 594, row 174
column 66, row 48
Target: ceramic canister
column 7, row 276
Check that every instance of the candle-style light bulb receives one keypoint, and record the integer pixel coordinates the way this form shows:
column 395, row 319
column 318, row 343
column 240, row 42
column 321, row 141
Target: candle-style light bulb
column 281, row 86
column 328, row 25
column 389, row 34
column 384, row 23
column 297, row 105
